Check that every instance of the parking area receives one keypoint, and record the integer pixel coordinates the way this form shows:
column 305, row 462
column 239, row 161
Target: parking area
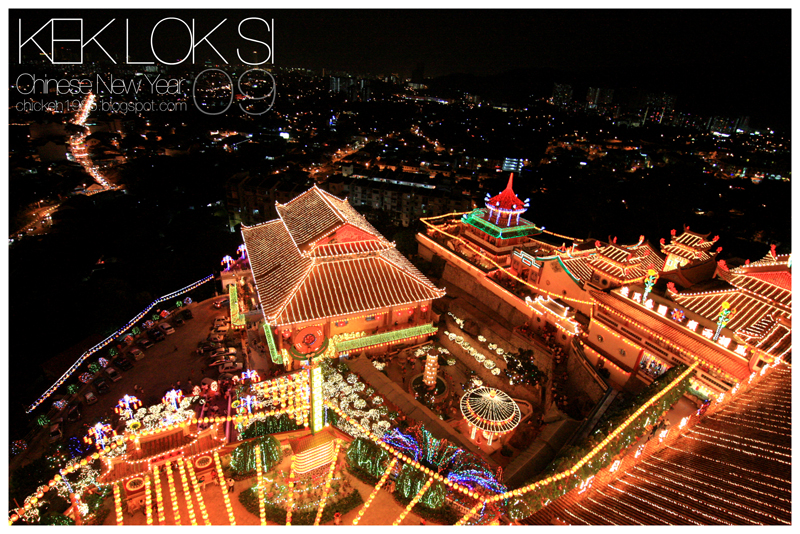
column 167, row 362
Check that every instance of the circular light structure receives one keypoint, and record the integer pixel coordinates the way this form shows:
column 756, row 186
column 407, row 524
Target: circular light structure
column 491, row 411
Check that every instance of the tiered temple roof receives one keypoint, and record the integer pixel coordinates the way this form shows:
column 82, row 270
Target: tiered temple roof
column 624, row 263
column 506, row 199
column 760, row 295
column 321, row 259
column 621, row 264
column 690, row 246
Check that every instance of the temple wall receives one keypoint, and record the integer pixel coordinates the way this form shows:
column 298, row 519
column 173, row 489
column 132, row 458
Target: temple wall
column 490, row 295
column 581, row 382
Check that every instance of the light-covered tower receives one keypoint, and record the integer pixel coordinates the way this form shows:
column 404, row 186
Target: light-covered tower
column 431, row 368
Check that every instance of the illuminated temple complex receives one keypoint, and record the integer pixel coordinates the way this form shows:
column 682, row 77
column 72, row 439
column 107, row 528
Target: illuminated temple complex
column 330, row 283
column 672, row 327
column 636, row 309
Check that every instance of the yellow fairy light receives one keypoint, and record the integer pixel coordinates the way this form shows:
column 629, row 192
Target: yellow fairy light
column 148, row 501
column 327, row 487
column 118, row 504
column 378, row 486
column 291, row 494
column 200, row 502
column 173, row 496
column 159, row 497
column 222, row 485
column 414, row 501
column 186, row 493
column 262, row 512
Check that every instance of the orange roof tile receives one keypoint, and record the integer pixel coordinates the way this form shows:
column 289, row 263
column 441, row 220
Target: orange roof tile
column 298, row 283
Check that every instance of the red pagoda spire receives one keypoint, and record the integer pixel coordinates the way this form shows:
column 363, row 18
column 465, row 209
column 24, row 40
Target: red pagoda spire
column 506, row 206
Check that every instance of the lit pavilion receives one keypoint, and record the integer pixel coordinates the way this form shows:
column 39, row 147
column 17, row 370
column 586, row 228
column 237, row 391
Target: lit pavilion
column 330, row 284
column 499, row 227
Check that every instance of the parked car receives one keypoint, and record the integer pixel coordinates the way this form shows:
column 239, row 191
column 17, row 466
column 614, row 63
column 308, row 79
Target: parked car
column 216, row 337
column 221, row 329
column 123, row 363
column 73, row 414
column 167, row 328
column 225, row 351
column 145, row 343
column 225, row 376
column 206, row 350
column 220, row 320
column 101, row 385
column 136, row 353
column 231, row 367
column 156, row 335
column 187, row 314
column 178, row 321
column 113, row 374
column 56, row 431
column 90, row 398
column 214, row 362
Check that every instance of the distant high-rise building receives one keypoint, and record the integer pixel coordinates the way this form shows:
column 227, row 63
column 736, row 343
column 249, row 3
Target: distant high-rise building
column 512, row 165
column 599, row 95
column 355, row 89
column 661, row 100
column 562, row 94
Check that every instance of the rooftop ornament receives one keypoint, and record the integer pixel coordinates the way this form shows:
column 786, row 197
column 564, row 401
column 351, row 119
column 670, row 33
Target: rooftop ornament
column 490, row 410
column 506, row 205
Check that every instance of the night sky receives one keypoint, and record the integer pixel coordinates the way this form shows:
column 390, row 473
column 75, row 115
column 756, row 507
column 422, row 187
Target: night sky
column 726, row 59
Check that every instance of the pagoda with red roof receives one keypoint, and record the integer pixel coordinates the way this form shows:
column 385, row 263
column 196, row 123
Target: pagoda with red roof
column 329, row 283
column 499, row 227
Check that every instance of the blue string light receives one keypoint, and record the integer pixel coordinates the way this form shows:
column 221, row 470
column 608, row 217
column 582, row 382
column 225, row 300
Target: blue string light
column 110, row 339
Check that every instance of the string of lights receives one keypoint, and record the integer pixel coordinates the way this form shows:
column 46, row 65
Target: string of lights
column 83, row 357
column 740, row 451
column 148, row 501
column 414, row 501
column 290, row 484
column 200, row 503
column 732, row 466
column 701, row 483
column 118, row 505
column 603, row 520
column 629, row 520
column 224, row 489
column 759, row 425
column 262, row 511
column 186, row 492
column 669, row 483
column 771, row 449
column 328, row 478
column 375, row 491
column 654, row 505
column 173, row 495
column 705, row 474
column 159, row 496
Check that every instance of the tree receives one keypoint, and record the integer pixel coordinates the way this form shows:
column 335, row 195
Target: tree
column 243, row 458
column 521, row 368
